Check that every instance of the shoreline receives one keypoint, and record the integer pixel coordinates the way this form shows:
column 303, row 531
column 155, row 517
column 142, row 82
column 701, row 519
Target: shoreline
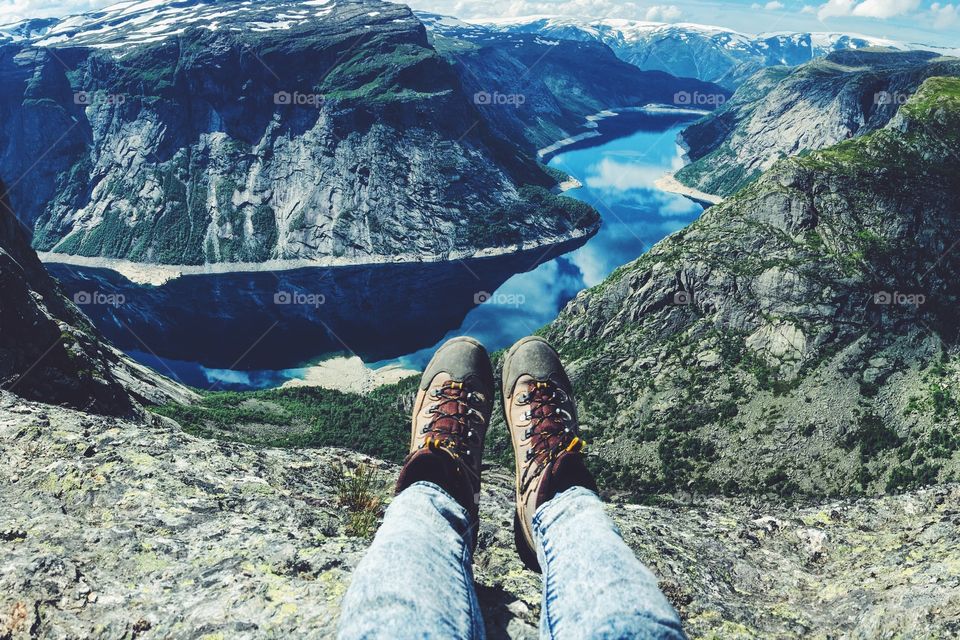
column 670, row 184
column 157, row 275
column 592, row 124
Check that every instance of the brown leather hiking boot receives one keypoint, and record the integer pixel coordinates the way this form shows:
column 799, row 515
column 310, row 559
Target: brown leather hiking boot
column 451, row 414
column 542, row 418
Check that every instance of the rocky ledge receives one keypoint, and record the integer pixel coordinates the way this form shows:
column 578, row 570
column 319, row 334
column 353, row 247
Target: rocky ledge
column 118, row 529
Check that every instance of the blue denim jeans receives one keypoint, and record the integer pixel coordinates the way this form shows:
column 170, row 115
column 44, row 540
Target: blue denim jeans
column 416, row 580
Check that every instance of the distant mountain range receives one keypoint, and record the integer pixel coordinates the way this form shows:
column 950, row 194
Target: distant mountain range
column 784, row 112
column 709, row 53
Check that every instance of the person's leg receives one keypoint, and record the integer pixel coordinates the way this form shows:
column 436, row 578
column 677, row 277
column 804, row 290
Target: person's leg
column 594, row 587
column 593, row 584
column 416, row 580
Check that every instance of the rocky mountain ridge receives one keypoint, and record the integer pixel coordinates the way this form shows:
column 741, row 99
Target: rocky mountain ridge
column 339, row 135
column 563, row 84
column 800, row 337
column 783, row 112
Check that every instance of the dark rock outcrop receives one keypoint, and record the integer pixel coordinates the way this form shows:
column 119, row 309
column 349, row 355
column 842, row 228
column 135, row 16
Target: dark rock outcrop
column 49, row 351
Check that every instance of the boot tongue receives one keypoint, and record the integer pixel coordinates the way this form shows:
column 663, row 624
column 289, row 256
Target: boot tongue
column 443, row 422
column 569, row 470
column 547, row 415
column 441, row 469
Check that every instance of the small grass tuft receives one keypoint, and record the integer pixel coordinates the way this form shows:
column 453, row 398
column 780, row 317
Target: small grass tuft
column 360, row 492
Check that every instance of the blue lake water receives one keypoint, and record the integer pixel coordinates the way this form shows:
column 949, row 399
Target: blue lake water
column 618, row 178
column 227, row 332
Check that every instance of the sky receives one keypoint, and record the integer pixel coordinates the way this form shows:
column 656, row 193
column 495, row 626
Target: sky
column 936, row 23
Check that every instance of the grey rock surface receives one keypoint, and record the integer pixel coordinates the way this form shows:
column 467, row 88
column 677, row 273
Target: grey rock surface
column 126, row 529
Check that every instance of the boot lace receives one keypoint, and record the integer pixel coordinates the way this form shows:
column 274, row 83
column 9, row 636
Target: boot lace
column 550, row 428
column 457, row 424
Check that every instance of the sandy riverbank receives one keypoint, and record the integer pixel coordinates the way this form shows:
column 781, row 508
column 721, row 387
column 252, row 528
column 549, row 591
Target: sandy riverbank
column 349, row 375
column 671, row 185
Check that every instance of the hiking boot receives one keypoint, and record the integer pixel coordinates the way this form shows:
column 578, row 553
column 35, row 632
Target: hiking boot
column 542, row 418
column 450, row 417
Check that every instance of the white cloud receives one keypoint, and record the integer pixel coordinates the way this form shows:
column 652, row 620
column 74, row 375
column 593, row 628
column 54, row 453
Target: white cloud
column 945, row 16
column 16, row 10
column 880, row 9
column 835, row 8
column 664, row 13
column 808, row 8
column 884, row 8
column 773, row 6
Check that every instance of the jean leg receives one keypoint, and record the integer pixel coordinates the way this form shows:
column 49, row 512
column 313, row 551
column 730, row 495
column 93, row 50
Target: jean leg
column 593, row 585
column 416, row 579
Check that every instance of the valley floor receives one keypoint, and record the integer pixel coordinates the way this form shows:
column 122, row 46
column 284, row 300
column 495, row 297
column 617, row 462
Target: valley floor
column 120, row 529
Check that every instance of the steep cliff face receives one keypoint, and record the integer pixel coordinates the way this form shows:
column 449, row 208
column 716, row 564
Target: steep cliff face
column 782, row 112
column 50, row 352
column 200, row 132
column 801, row 337
column 540, row 89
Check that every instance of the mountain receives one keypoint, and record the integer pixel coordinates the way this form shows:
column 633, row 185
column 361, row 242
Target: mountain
column 133, row 529
column 783, row 112
column 801, row 338
column 559, row 83
column 713, row 54
column 50, row 351
column 193, row 132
